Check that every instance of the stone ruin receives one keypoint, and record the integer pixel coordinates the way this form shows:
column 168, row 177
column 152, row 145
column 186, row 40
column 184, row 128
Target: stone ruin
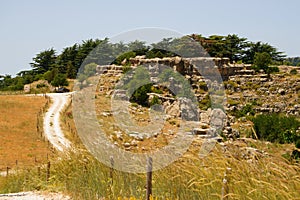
column 184, row 66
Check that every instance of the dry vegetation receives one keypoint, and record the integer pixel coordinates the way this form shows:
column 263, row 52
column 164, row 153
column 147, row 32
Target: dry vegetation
column 265, row 175
column 19, row 139
column 83, row 177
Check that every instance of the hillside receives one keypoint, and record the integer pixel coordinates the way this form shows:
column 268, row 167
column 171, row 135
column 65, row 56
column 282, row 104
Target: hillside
column 239, row 122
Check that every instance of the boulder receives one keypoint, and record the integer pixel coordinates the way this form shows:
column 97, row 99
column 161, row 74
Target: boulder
column 188, row 109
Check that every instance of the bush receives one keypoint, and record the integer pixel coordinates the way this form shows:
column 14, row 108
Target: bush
column 41, row 85
column 271, row 70
column 154, row 101
column 126, row 69
column 297, row 143
column 293, row 72
column 140, row 95
column 262, row 61
column 205, row 103
column 246, row 110
column 276, row 128
column 127, row 56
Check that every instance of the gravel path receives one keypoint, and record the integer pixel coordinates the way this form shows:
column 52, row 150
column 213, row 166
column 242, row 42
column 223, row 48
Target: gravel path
column 34, row 196
column 52, row 128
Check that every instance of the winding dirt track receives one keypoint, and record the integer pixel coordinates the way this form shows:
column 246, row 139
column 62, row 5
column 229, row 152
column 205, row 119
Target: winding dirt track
column 52, row 128
column 34, row 196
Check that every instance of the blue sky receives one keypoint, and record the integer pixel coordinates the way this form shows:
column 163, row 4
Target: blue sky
column 28, row 27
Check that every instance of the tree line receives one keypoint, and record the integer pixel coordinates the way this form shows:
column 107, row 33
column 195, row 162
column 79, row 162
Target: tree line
column 57, row 67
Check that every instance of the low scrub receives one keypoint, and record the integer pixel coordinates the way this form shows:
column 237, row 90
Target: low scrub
column 277, row 128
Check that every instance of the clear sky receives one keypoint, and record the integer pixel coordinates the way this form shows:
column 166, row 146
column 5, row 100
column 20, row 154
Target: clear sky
column 30, row 26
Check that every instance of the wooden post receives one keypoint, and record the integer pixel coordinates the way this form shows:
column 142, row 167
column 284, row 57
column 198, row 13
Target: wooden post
column 149, row 178
column 39, row 171
column 7, row 171
column 225, row 188
column 112, row 163
column 48, row 171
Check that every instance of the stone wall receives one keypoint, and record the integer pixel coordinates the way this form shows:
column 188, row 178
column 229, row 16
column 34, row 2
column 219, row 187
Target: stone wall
column 188, row 66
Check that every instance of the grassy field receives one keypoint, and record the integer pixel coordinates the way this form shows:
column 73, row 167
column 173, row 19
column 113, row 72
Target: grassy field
column 19, row 140
column 82, row 177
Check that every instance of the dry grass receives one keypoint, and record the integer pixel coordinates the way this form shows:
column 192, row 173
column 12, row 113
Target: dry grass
column 190, row 177
column 19, row 139
column 79, row 174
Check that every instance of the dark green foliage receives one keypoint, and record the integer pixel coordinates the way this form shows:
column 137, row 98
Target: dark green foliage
column 295, row 61
column 8, row 83
column 235, row 48
column 296, row 154
column 205, row 103
column 127, row 56
column 155, row 100
column 47, row 64
column 41, row 85
column 230, row 46
column 159, row 53
column 293, row 72
column 259, row 47
column 60, row 80
column 44, row 61
column 139, row 86
column 276, row 128
column 179, row 86
column 297, row 143
column 246, row 110
column 49, row 75
column 67, row 61
column 140, row 95
column 126, row 69
column 271, row 70
column 262, row 61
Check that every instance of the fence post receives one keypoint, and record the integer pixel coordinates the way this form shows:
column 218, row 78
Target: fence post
column 225, row 188
column 7, row 171
column 149, row 178
column 48, row 171
column 39, row 171
column 112, row 163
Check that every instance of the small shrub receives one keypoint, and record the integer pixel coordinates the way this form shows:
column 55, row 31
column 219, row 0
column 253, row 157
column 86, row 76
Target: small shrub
column 156, row 90
column 155, row 100
column 126, row 69
column 276, row 128
column 297, row 143
column 41, row 85
column 124, row 56
column 272, row 70
column 205, row 103
column 293, row 72
column 232, row 102
column 246, row 110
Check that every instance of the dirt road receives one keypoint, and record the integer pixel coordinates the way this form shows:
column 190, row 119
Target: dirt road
column 52, row 128
column 33, row 196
